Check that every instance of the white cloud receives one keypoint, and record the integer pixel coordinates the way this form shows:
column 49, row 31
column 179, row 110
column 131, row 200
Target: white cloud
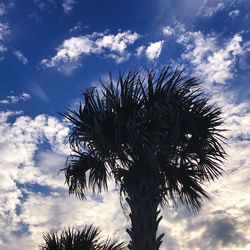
column 68, row 5
column 18, row 147
column 167, row 31
column 234, row 13
column 211, row 61
column 140, row 50
column 13, row 99
column 117, row 43
column 20, row 57
column 153, row 51
column 4, row 115
column 26, row 212
column 72, row 212
column 72, row 49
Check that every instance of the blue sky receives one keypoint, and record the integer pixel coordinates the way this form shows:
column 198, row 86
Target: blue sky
column 51, row 50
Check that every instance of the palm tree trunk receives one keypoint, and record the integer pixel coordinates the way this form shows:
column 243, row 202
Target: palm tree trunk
column 143, row 203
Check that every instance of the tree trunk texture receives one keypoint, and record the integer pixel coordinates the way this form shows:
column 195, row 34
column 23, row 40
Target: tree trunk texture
column 143, row 202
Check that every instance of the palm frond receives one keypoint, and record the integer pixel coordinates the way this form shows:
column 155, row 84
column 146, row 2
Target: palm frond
column 87, row 238
column 77, row 168
column 113, row 244
column 52, row 242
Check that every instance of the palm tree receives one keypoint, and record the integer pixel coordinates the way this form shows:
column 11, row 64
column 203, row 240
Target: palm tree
column 156, row 135
column 86, row 239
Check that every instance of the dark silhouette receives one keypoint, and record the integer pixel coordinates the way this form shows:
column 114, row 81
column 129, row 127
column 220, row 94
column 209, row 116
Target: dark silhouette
column 72, row 239
column 157, row 135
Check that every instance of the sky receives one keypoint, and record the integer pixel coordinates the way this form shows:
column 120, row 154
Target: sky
column 52, row 50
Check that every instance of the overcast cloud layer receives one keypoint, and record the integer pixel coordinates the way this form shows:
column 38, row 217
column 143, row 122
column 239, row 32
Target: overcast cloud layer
column 50, row 51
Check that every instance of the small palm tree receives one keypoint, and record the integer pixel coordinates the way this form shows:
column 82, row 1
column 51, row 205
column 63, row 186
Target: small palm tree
column 86, row 239
column 156, row 135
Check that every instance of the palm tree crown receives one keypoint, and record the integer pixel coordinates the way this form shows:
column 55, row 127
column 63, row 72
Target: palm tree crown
column 155, row 132
column 72, row 239
column 163, row 125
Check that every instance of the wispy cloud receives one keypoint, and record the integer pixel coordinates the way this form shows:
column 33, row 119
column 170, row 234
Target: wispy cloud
column 234, row 13
column 68, row 5
column 2, row 9
column 211, row 10
column 78, row 27
column 20, row 57
column 140, row 50
column 39, row 92
column 44, row 5
column 4, row 31
column 13, row 99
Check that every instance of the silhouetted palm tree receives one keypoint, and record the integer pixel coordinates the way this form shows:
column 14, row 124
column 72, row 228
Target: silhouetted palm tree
column 156, row 135
column 86, row 239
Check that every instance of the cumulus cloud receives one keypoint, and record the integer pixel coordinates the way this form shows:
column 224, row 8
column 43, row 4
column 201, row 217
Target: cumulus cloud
column 33, row 196
column 20, row 57
column 117, row 43
column 153, row 51
column 211, row 60
column 13, row 99
column 4, row 115
column 69, row 53
column 68, row 5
